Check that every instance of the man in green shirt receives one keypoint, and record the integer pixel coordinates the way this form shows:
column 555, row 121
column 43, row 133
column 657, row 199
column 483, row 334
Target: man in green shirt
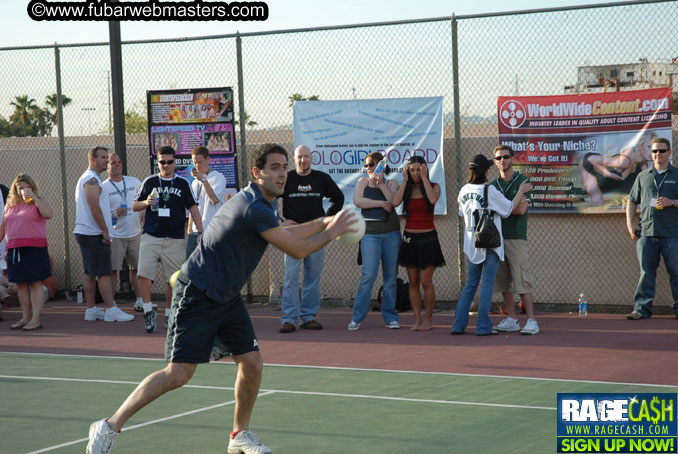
column 656, row 190
column 513, row 274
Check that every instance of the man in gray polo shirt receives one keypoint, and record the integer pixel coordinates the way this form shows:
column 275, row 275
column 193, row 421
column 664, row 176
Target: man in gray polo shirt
column 656, row 190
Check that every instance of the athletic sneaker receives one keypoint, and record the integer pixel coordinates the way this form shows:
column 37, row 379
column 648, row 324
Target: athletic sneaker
column 101, row 438
column 115, row 314
column 530, row 327
column 93, row 314
column 393, row 325
column 508, row 325
column 353, row 326
column 138, row 306
column 246, row 443
column 149, row 318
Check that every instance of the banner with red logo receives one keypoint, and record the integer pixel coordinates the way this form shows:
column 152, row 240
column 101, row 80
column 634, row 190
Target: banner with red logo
column 583, row 152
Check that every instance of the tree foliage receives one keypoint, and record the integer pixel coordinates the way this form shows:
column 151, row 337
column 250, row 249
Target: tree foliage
column 299, row 97
column 29, row 119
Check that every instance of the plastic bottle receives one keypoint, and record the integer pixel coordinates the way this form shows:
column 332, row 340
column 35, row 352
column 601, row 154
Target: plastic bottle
column 381, row 166
column 154, row 193
column 583, row 306
column 114, row 220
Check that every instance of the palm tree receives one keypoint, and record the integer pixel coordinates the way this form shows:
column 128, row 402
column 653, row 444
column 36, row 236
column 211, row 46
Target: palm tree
column 51, row 102
column 248, row 122
column 299, row 97
column 23, row 105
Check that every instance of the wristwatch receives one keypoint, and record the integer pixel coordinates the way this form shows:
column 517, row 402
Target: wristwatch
column 204, row 177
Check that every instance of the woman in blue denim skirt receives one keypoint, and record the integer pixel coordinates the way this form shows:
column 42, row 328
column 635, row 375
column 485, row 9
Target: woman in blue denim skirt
column 482, row 262
column 380, row 244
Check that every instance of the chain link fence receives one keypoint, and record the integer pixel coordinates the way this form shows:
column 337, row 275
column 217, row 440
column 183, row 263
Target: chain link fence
column 525, row 53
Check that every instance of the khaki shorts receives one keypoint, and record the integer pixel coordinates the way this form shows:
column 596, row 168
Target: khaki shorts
column 171, row 252
column 513, row 270
column 122, row 248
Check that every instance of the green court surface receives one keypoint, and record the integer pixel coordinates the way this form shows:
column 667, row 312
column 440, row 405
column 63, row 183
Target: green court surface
column 48, row 401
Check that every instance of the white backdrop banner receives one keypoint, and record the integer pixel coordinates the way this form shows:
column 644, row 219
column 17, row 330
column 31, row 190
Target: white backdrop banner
column 341, row 133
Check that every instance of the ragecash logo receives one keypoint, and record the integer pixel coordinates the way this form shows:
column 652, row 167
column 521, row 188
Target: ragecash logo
column 617, row 422
column 512, row 114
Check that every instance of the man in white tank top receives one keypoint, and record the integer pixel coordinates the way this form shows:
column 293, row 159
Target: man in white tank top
column 92, row 227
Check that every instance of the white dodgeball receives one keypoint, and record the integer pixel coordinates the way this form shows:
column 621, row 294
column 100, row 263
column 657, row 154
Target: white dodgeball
column 353, row 237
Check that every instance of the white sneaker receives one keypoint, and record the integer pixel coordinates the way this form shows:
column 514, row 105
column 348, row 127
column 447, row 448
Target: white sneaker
column 530, row 327
column 138, row 306
column 353, row 326
column 393, row 325
column 246, row 443
column 101, row 438
column 115, row 314
column 508, row 325
column 93, row 314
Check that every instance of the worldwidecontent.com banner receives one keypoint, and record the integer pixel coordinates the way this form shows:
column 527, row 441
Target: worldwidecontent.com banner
column 583, row 152
column 617, row 423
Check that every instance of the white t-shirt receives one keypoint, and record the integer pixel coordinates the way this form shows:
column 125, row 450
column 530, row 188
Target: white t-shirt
column 119, row 193
column 84, row 221
column 207, row 208
column 470, row 199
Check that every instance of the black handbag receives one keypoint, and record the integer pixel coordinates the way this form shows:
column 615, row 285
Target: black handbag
column 485, row 234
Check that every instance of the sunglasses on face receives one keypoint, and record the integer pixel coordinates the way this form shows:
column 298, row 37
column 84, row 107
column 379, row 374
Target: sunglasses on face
column 369, row 165
column 505, row 156
column 662, row 151
column 166, row 163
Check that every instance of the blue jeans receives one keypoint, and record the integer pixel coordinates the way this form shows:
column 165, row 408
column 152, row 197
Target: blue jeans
column 307, row 309
column 374, row 248
column 488, row 271
column 648, row 250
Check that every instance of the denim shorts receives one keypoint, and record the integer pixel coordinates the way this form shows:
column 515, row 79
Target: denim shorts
column 96, row 256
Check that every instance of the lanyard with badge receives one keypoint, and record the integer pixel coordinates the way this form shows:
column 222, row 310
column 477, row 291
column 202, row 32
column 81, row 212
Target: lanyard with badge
column 166, row 194
column 657, row 187
column 123, row 194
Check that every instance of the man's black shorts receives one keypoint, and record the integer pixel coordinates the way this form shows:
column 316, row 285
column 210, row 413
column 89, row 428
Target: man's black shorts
column 200, row 328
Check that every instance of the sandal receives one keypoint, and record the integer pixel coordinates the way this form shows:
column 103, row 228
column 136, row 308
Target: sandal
column 28, row 327
column 18, row 325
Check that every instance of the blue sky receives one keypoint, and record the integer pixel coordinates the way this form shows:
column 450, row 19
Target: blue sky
column 17, row 29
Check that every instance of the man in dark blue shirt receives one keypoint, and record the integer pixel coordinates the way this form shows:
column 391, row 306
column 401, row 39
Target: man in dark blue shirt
column 208, row 314
column 163, row 237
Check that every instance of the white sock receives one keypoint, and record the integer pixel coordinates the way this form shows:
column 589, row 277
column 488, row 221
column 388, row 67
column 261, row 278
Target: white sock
column 140, row 300
column 148, row 307
column 167, row 312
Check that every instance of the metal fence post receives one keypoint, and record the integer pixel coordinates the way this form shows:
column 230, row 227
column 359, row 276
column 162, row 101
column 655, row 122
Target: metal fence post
column 457, row 147
column 62, row 154
column 243, row 141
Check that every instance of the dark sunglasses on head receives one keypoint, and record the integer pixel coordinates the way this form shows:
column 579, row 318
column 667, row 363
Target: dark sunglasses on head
column 499, row 158
column 369, row 164
column 660, row 151
column 166, row 163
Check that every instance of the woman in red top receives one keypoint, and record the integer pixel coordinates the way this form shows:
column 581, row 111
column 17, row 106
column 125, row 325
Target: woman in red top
column 420, row 252
column 27, row 255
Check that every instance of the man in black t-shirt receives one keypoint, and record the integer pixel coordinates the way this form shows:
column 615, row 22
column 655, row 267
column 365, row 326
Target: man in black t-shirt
column 162, row 239
column 302, row 201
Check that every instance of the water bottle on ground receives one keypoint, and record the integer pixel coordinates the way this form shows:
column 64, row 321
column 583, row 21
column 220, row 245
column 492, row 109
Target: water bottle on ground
column 155, row 195
column 381, row 166
column 583, row 306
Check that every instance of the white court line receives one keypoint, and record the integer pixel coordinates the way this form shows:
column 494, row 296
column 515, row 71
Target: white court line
column 306, row 393
column 415, row 372
column 147, row 423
